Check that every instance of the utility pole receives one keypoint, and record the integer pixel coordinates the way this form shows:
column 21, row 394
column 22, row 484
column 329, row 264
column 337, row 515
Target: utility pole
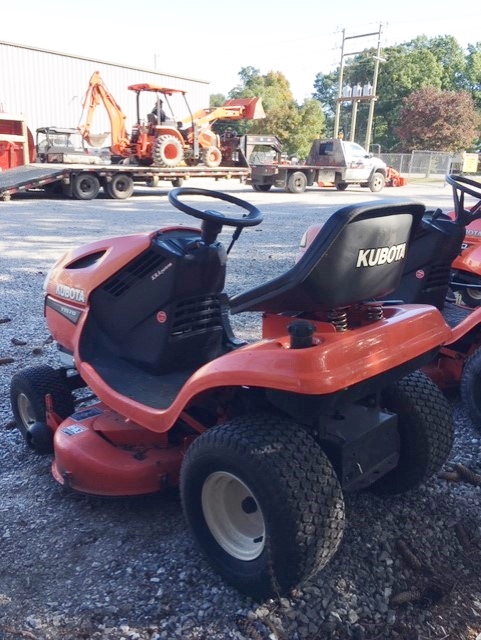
column 377, row 60
column 357, row 96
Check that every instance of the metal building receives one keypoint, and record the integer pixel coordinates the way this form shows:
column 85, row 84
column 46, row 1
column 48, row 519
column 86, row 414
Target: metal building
column 49, row 87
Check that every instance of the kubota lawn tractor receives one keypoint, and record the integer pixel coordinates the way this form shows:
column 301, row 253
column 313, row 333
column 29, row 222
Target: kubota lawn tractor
column 262, row 438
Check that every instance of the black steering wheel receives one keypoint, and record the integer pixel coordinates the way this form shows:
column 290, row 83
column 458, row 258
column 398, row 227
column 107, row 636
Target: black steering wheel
column 209, row 215
column 462, row 185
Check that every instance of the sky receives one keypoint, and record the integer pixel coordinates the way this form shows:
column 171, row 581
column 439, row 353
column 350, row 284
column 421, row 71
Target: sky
column 214, row 40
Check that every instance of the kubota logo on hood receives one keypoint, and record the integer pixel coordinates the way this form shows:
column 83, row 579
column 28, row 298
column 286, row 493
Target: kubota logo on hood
column 70, row 293
column 380, row 255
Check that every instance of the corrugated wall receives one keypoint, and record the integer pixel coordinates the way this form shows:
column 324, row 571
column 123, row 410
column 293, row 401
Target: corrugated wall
column 48, row 87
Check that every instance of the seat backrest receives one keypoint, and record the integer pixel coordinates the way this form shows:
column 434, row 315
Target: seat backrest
column 358, row 255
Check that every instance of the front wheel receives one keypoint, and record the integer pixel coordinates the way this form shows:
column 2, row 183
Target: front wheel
column 212, row 157
column 297, row 182
column 377, row 182
column 28, row 390
column 471, row 296
column 341, row 186
column 425, row 425
column 470, row 387
column 263, row 502
column 261, row 187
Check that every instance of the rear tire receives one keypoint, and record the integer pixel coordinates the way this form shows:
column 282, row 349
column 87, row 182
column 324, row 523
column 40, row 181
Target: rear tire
column 120, row 187
column 261, row 187
column 85, row 186
column 297, row 182
column 470, row 387
column 28, row 389
column 425, row 430
column 168, row 151
column 341, row 186
column 263, row 502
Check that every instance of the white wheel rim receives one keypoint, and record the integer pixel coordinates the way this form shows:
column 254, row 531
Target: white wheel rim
column 25, row 410
column 474, row 293
column 233, row 516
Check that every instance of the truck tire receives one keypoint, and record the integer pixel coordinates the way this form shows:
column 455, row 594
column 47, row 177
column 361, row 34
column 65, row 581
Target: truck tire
column 377, row 182
column 261, row 187
column 296, row 183
column 168, row 151
column 425, row 430
column 341, row 186
column 28, row 389
column 212, row 157
column 85, row 186
column 263, row 502
column 120, row 187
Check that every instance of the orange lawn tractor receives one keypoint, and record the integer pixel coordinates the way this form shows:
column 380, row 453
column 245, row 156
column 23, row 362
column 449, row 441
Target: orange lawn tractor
column 163, row 141
column 263, row 438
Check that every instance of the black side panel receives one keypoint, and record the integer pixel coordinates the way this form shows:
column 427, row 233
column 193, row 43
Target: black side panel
column 161, row 311
column 427, row 272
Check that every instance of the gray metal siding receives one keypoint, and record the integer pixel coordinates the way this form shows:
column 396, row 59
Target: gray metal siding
column 49, row 87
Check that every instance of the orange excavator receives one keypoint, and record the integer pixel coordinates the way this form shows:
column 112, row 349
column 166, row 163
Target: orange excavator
column 163, row 141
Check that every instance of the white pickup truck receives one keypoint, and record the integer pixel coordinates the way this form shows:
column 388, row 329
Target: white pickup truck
column 330, row 161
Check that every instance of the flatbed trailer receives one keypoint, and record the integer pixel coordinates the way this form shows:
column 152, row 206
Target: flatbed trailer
column 84, row 182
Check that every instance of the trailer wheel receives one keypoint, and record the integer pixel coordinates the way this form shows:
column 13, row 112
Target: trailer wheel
column 425, row 430
column 470, row 387
column 28, row 389
column 377, row 182
column 261, row 187
column 263, row 502
column 297, row 182
column 212, row 157
column 341, row 186
column 168, row 151
column 120, row 187
column 85, row 186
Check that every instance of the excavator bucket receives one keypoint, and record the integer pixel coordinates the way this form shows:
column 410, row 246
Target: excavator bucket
column 252, row 108
column 97, row 139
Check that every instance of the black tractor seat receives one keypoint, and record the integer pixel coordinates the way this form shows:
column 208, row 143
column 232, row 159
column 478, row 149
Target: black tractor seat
column 358, row 255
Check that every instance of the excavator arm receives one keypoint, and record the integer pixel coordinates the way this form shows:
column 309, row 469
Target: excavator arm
column 97, row 93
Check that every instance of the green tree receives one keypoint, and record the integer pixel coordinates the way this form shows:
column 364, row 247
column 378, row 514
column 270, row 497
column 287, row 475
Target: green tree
column 296, row 126
column 437, row 62
column 216, row 99
column 438, row 120
column 473, row 72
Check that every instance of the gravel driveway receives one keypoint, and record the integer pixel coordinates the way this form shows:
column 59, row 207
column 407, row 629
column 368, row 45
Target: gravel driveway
column 74, row 567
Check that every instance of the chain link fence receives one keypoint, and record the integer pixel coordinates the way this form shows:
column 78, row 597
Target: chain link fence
column 422, row 164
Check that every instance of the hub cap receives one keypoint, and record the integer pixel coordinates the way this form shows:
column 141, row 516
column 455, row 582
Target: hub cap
column 233, row 516
column 25, row 410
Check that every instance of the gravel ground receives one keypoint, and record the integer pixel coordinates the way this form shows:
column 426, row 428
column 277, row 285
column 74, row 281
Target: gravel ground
column 74, row 567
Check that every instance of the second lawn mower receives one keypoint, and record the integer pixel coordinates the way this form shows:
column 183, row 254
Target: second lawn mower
column 263, row 438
